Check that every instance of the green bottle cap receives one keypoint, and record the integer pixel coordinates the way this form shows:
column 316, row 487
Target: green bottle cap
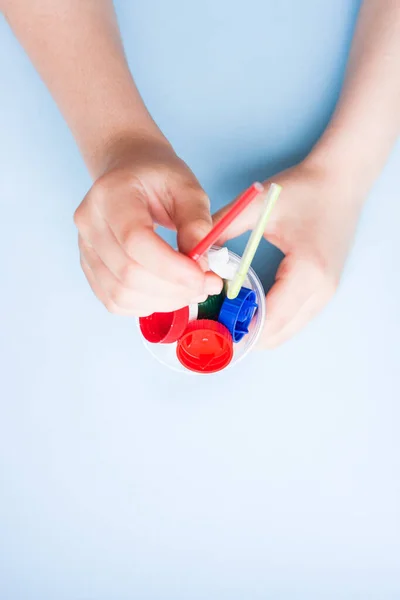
column 210, row 308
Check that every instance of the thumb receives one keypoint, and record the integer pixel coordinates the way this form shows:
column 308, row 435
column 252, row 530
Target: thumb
column 302, row 288
column 192, row 217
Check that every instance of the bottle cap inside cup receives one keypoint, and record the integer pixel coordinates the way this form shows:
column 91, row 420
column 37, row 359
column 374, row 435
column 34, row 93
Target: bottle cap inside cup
column 237, row 314
column 209, row 309
column 164, row 328
column 205, row 347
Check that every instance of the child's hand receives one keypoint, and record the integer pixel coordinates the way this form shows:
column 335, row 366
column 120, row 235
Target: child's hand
column 313, row 223
column 128, row 266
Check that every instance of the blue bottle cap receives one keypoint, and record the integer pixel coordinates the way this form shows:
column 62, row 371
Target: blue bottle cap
column 237, row 314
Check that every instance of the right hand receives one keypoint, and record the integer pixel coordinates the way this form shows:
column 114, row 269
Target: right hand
column 313, row 224
column 131, row 270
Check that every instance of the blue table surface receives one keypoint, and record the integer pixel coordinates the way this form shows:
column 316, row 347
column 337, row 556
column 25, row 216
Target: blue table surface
column 122, row 480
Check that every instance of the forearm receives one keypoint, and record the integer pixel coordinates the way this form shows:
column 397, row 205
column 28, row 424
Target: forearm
column 76, row 47
column 366, row 122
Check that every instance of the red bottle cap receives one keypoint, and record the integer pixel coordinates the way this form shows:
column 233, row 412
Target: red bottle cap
column 164, row 328
column 205, row 347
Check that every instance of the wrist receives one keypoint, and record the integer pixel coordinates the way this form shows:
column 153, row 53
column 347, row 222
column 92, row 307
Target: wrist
column 128, row 144
column 115, row 122
column 122, row 141
column 342, row 166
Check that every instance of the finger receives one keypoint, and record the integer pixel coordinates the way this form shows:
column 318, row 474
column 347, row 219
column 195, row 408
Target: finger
column 95, row 233
column 301, row 290
column 132, row 226
column 100, row 294
column 136, row 279
column 101, row 240
column 192, row 219
column 191, row 215
column 151, row 295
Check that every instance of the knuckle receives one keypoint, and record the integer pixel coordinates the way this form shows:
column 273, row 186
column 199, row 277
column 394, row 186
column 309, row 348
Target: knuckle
column 79, row 217
column 111, row 307
column 128, row 275
column 101, row 188
column 128, row 241
column 117, row 295
column 134, row 239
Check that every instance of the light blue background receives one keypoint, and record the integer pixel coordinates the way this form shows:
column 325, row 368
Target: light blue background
column 279, row 480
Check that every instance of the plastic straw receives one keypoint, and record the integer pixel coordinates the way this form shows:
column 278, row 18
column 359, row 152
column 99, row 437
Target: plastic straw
column 236, row 284
column 239, row 206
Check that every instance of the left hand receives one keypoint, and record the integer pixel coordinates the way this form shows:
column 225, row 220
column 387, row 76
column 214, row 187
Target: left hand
column 131, row 270
column 313, row 223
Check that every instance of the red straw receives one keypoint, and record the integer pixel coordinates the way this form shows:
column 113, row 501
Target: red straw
column 224, row 223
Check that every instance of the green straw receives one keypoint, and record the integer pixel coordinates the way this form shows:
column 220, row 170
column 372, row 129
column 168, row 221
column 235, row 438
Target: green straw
column 236, row 284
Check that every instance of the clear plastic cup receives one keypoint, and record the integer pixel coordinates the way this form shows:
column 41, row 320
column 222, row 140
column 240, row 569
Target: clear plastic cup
column 166, row 353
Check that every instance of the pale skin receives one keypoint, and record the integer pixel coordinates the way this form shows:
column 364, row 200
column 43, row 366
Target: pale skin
column 140, row 182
